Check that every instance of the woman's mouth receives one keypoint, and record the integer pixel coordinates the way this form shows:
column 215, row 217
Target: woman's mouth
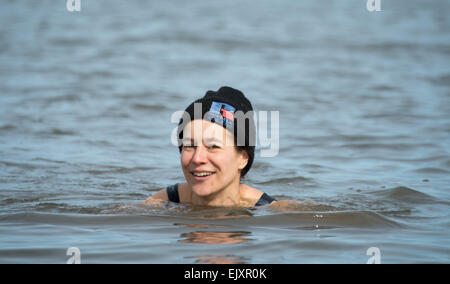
column 201, row 176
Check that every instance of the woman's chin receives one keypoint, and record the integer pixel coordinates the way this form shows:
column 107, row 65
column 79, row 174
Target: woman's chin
column 202, row 190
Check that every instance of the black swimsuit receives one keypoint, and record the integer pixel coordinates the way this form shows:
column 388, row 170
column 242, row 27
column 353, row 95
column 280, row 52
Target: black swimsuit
column 172, row 193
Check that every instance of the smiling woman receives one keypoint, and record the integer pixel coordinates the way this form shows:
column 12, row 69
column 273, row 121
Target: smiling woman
column 213, row 159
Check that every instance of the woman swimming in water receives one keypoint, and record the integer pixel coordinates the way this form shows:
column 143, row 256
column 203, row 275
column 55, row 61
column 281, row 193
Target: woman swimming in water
column 217, row 151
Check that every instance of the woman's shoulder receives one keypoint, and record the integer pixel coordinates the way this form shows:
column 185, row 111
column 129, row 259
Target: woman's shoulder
column 179, row 190
column 250, row 195
column 161, row 194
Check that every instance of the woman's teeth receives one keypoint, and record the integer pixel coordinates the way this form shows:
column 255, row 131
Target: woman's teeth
column 202, row 174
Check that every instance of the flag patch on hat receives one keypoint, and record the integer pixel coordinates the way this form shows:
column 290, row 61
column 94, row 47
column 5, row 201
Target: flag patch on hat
column 221, row 113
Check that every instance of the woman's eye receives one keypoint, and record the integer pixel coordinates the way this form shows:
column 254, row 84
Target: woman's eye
column 214, row 146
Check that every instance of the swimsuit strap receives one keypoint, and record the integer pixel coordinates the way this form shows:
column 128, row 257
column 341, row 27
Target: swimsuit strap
column 172, row 193
column 265, row 199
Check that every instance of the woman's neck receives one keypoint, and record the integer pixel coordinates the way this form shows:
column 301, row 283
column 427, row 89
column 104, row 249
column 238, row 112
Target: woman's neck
column 227, row 197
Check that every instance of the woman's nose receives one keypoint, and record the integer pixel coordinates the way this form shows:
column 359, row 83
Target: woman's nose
column 199, row 155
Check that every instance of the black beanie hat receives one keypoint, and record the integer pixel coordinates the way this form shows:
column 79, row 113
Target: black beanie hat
column 225, row 108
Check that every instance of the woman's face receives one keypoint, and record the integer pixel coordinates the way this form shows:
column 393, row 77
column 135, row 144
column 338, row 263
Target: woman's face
column 209, row 159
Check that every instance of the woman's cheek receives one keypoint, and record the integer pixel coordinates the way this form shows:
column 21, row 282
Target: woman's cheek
column 227, row 164
column 185, row 158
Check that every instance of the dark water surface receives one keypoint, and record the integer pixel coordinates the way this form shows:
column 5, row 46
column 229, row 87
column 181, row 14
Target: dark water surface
column 85, row 106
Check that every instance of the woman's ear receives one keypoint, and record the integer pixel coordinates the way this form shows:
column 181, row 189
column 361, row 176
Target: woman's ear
column 243, row 159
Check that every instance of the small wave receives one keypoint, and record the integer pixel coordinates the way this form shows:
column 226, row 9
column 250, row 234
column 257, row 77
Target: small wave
column 39, row 159
column 431, row 170
column 384, row 88
column 98, row 74
column 118, row 170
column 393, row 146
column 62, row 98
column 149, row 107
column 397, row 116
column 78, row 218
column 328, row 220
column 7, row 127
column 441, row 80
column 219, row 259
column 301, row 217
column 265, row 166
column 26, row 255
column 60, row 41
column 65, row 208
column 179, row 215
column 24, row 166
column 288, row 204
column 56, row 131
column 405, row 195
column 283, row 180
column 13, row 201
column 159, row 209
